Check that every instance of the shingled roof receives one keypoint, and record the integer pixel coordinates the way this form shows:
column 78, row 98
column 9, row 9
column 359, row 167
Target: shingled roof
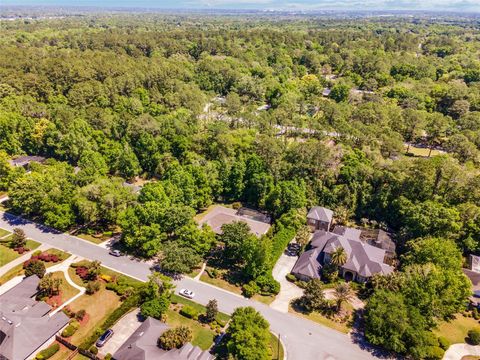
column 320, row 213
column 364, row 259
column 24, row 322
column 221, row 215
column 142, row 345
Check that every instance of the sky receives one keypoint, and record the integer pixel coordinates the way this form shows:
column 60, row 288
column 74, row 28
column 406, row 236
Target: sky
column 440, row 5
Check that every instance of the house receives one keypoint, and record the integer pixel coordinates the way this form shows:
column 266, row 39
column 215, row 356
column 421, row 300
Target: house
column 363, row 260
column 24, row 161
column 142, row 345
column 383, row 240
column 25, row 324
column 319, row 218
column 221, row 215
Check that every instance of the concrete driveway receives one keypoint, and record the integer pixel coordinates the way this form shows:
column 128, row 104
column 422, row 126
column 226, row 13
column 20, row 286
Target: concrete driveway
column 122, row 330
column 288, row 290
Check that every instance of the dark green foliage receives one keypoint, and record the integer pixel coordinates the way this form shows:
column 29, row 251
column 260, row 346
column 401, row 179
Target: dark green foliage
column 189, row 312
column 313, row 298
column 474, row 336
column 155, row 307
column 279, row 243
column 19, row 239
column 211, row 311
column 92, row 287
column 34, row 267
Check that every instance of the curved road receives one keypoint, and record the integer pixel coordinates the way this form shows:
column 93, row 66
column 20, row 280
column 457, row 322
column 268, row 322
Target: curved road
column 304, row 340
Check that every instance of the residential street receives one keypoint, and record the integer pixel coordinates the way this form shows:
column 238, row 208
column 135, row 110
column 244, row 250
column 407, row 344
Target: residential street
column 304, row 340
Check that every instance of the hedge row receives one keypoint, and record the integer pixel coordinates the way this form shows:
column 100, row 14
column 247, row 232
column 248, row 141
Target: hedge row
column 130, row 303
column 279, row 242
column 48, row 352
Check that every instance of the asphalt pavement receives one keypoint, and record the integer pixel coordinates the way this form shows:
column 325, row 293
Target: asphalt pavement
column 303, row 339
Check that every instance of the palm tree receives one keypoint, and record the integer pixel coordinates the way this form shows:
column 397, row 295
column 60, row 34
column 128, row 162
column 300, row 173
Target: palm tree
column 342, row 293
column 339, row 256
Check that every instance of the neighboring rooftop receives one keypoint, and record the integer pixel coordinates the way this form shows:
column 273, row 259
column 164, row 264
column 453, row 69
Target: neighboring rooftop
column 221, row 215
column 349, row 233
column 142, row 345
column 23, row 161
column 24, row 322
column 320, row 213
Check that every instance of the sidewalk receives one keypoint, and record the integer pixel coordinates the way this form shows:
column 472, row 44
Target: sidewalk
column 20, row 260
column 458, row 351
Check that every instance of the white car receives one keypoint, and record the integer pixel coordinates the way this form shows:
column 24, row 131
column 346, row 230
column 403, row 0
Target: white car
column 187, row 293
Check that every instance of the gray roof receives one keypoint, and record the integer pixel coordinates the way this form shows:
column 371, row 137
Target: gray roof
column 309, row 264
column 142, row 345
column 25, row 160
column 220, row 215
column 320, row 213
column 364, row 259
column 349, row 233
column 24, row 322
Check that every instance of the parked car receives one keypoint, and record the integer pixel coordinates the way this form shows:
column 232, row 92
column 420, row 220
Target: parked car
column 187, row 293
column 116, row 253
column 104, row 338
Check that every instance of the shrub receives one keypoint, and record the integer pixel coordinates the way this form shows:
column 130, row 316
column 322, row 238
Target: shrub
column 268, row 284
column 435, row 353
column 250, row 289
column 189, row 312
column 70, row 329
column 82, row 272
column 92, row 287
column 291, row 278
column 155, row 307
column 106, row 278
column 67, row 311
column 475, row 314
column 34, row 267
column 21, row 250
column 48, row 352
column 36, row 253
column 443, row 342
column 80, row 314
column 108, row 356
column 474, row 336
column 93, row 349
column 175, row 338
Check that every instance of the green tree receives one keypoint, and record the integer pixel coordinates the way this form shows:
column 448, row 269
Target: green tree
column 248, row 335
column 233, row 236
column 340, row 92
column 49, row 285
column 176, row 259
column 343, row 293
column 34, row 267
column 313, row 298
column 19, row 239
column 156, row 307
column 175, row 338
column 211, row 311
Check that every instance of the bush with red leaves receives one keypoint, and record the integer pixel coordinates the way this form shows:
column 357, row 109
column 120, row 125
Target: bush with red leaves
column 82, row 271
column 21, row 250
column 46, row 257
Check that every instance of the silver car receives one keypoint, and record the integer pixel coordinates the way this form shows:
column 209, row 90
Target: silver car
column 104, row 338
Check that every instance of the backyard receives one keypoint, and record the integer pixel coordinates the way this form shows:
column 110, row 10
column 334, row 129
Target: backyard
column 455, row 331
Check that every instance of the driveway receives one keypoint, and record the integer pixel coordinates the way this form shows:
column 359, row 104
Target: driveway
column 303, row 339
column 288, row 290
column 122, row 330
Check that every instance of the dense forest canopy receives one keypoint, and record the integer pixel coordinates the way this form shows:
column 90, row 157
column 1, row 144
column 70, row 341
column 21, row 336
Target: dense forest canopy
column 377, row 118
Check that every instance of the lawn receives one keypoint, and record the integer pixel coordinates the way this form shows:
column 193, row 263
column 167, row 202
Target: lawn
column 7, row 254
column 455, row 331
column 202, row 336
column 91, row 238
column 103, row 270
column 323, row 320
column 3, row 232
column 67, row 291
column 10, row 274
column 421, row 152
column 224, row 284
column 98, row 307
column 176, row 299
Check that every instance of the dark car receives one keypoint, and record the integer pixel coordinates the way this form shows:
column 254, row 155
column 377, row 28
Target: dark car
column 104, row 338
